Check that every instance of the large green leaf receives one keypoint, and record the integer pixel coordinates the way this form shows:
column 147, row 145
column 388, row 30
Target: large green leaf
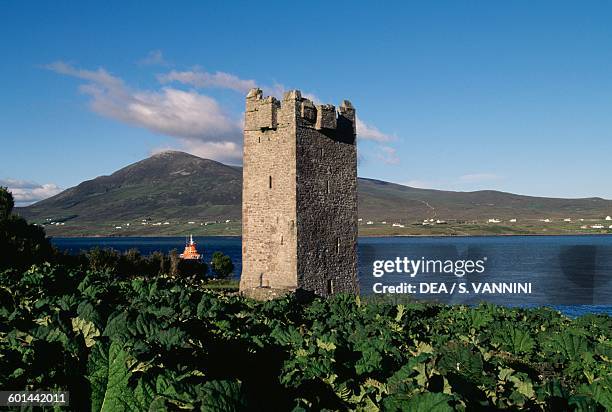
column 222, row 396
column 109, row 376
column 569, row 345
column 428, row 401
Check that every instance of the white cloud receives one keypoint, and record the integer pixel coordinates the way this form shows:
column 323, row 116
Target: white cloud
column 388, row 155
column 27, row 192
column 229, row 152
column 368, row 132
column 197, row 121
column 154, row 58
column 202, row 79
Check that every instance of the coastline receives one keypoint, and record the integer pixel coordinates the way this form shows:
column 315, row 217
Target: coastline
column 98, row 236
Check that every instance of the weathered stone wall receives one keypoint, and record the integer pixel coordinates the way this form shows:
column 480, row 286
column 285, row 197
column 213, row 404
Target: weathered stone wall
column 269, row 241
column 327, row 201
column 299, row 196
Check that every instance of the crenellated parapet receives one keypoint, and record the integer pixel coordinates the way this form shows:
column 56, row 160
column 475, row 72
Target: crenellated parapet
column 264, row 113
column 261, row 113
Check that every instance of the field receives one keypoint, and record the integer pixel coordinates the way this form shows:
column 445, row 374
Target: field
column 233, row 228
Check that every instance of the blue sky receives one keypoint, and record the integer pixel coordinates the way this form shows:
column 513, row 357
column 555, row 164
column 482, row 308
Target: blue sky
column 513, row 96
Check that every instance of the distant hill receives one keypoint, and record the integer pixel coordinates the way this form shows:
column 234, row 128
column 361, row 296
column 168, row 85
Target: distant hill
column 392, row 201
column 179, row 186
column 168, row 185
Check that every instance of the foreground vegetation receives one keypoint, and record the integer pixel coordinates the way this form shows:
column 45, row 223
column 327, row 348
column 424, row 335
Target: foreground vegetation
column 136, row 343
column 127, row 332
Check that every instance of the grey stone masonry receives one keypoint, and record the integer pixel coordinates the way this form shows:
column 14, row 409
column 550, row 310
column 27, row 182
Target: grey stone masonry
column 299, row 197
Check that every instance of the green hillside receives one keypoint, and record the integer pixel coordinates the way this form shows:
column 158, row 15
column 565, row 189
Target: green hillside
column 179, row 188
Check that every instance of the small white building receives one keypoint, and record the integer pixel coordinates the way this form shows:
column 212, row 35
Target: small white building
column 545, row 220
column 369, row 222
column 397, row 225
column 597, row 226
column 191, row 223
column 567, row 219
column 493, row 221
column 512, row 220
column 608, row 217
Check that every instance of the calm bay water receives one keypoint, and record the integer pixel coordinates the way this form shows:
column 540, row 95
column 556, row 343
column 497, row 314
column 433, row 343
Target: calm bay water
column 571, row 273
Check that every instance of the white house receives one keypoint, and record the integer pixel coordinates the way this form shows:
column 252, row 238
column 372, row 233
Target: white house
column 597, row 226
column 567, row 219
column 512, row 220
column 397, row 225
column 369, row 222
column 493, row 221
column 608, row 217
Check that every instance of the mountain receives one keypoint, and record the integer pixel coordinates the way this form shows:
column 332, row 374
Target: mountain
column 176, row 186
column 168, row 185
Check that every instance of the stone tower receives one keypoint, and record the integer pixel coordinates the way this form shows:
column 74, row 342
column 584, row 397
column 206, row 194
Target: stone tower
column 299, row 197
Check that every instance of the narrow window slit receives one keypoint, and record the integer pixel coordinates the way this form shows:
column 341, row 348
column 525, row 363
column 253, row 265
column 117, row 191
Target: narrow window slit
column 330, row 286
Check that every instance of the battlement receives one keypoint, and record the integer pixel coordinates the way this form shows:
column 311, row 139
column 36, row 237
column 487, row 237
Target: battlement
column 265, row 113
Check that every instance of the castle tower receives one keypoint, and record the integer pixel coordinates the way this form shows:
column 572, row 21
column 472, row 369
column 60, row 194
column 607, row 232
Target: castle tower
column 299, row 197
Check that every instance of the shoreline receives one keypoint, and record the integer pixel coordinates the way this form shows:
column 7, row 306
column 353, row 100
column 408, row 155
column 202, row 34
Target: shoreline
column 358, row 236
